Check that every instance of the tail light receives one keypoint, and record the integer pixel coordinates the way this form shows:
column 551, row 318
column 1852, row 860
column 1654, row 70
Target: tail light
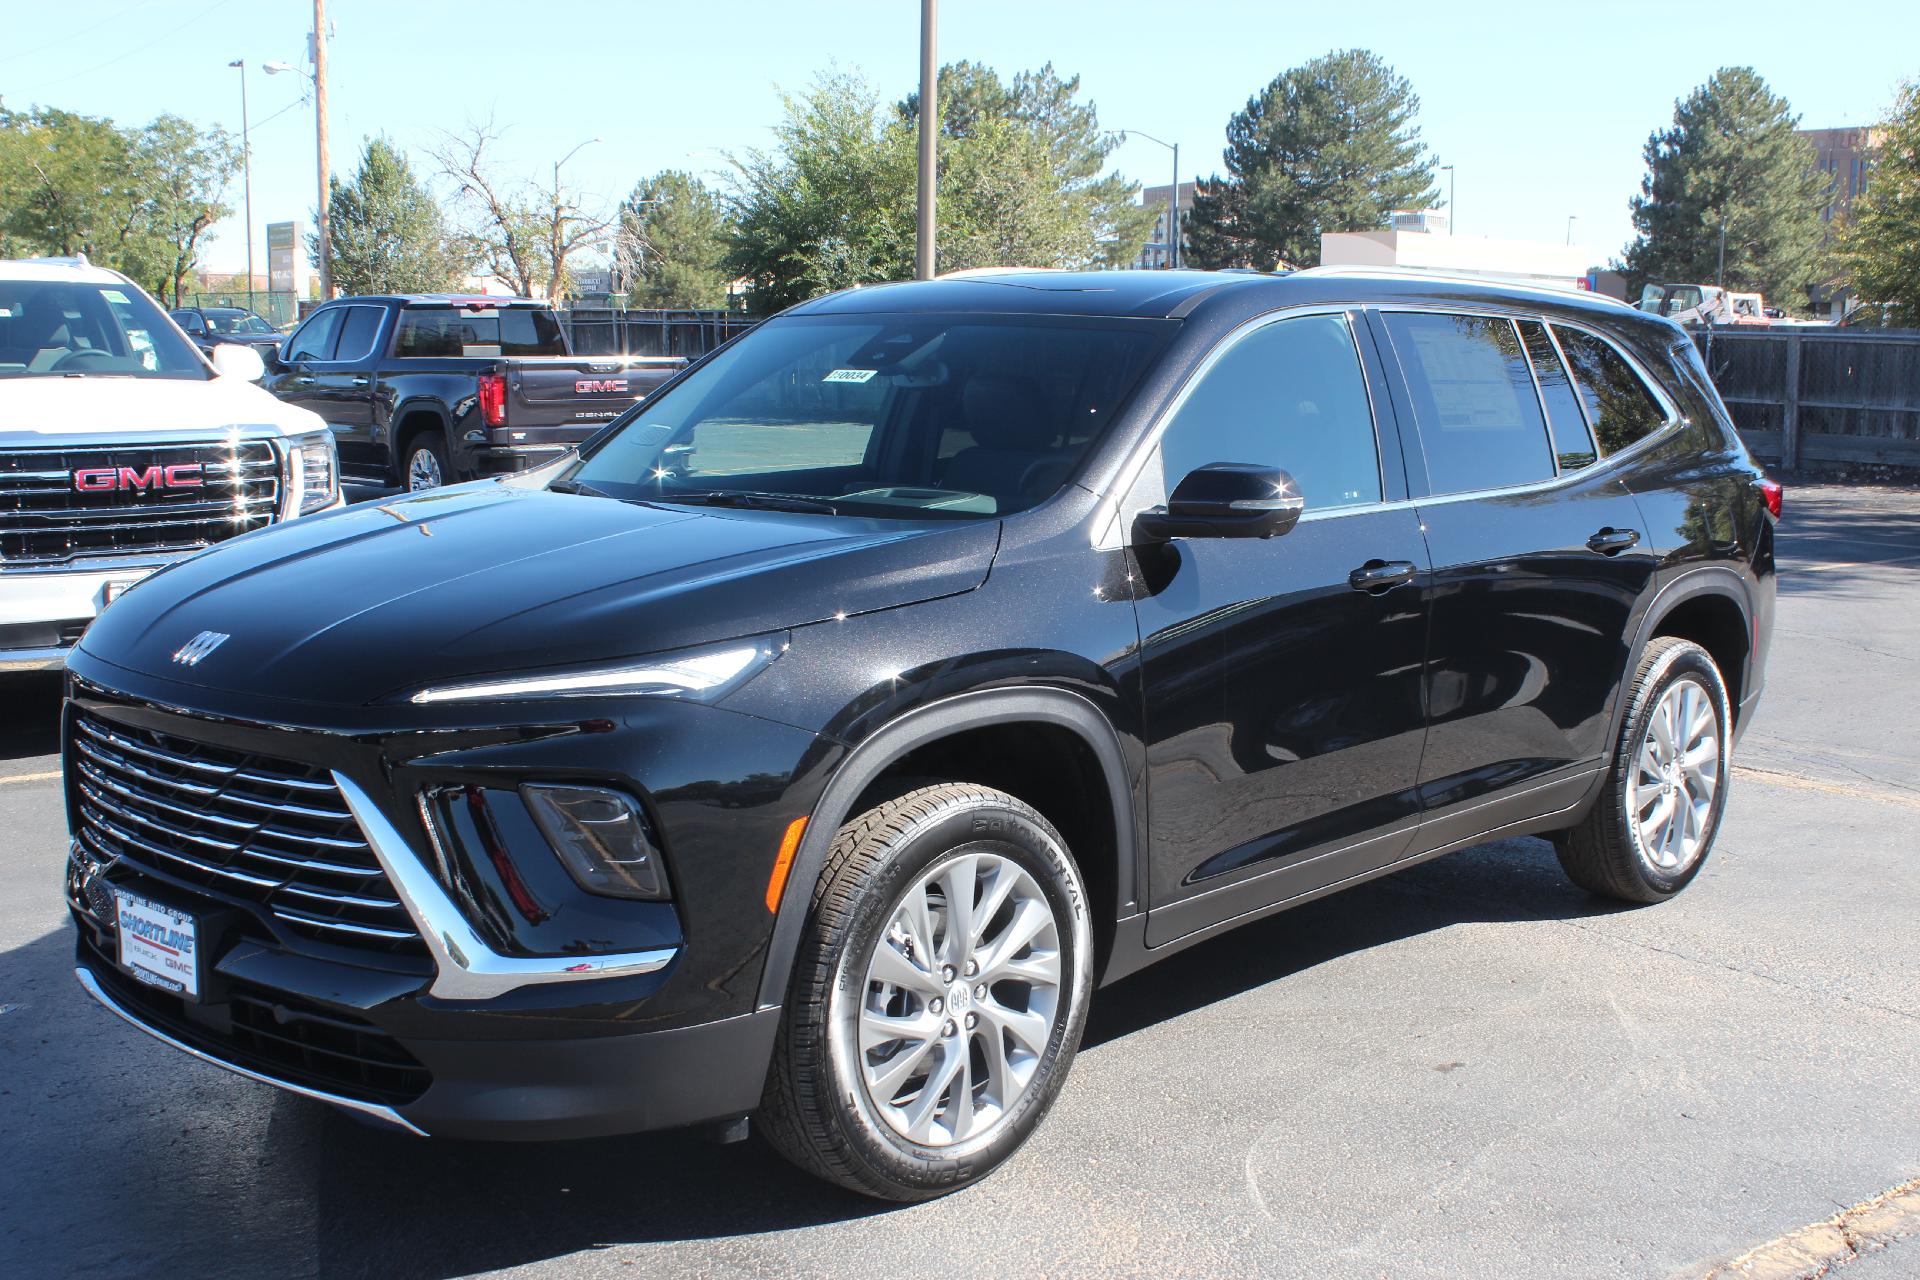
column 493, row 399
column 1774, row 496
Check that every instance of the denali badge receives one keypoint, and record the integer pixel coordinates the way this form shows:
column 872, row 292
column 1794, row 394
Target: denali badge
column 181, row 475
column 587, row 386
column 190, row 653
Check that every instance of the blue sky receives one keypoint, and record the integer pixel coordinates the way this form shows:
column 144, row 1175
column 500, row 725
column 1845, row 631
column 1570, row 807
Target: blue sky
column 1543, row 107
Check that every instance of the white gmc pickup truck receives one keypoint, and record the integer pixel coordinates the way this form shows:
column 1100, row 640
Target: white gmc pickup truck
column 122, row 448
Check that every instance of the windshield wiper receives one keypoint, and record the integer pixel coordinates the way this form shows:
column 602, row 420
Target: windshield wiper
column 750, row 500
column 578, row 486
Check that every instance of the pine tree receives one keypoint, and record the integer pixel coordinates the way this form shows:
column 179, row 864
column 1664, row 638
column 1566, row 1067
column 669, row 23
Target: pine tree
column 676, row 231
column 387, row 232
column 1329, row 145
column 1731, row 161
column 1880, row 246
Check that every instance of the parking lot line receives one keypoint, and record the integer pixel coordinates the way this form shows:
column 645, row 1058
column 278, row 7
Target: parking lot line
column 28, row 777
column 1797, row 782
column 1819, row 1247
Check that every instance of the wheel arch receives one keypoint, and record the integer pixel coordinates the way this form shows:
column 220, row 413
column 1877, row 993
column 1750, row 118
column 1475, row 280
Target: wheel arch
column 946, row 720
column 1710, row 605
column 410, row 418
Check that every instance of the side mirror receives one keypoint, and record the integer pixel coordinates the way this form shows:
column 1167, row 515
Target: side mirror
column 1225, row 500
column 231, row 360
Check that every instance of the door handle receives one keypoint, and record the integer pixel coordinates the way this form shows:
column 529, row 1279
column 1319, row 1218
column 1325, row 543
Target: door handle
column 303, row 380
column 1377, row 577
column 359, row 382
column 1611, row 542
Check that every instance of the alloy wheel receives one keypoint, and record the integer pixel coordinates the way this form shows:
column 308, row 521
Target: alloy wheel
column 1675, row 775
column 423, row 471
column 962, row 996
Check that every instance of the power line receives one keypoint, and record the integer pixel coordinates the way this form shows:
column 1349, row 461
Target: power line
column 137, row 49
column 69, row 36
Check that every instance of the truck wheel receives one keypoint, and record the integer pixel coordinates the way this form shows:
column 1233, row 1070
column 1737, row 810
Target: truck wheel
column 1653, row 825
column 938, row 996
column 426, row 464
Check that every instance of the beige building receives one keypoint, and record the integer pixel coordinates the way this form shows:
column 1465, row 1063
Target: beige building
column 1155, row 253
column 1420, row 241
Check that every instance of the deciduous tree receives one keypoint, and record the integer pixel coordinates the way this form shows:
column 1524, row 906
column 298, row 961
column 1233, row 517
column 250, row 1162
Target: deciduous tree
column 1330, row 145
column 1880, row 246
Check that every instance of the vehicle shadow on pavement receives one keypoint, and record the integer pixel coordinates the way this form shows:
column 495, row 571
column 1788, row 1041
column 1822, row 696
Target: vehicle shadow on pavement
column 29, row 715
column 1512, row 880
column 283, row 1186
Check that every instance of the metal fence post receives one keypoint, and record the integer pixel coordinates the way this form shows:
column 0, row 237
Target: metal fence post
column 1790, row 423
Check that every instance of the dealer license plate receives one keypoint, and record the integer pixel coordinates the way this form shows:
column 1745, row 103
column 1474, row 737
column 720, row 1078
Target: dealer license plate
column 159, row 945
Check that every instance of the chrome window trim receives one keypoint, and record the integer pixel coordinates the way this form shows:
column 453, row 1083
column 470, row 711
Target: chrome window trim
column 1109, row 530
column 466, row 968
column 374, row 1109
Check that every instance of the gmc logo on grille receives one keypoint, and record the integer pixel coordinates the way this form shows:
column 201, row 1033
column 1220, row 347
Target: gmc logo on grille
column 181, row 475
column 588, row 386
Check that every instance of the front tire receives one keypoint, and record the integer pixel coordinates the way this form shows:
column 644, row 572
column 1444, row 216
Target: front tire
column 1650, row 831
column 938, row 997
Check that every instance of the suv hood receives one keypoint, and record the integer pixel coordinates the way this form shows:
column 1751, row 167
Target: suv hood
column 39, row 412
column 381, row 599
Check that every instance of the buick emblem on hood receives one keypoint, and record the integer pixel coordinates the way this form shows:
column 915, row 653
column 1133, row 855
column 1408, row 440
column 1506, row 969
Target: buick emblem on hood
column 190, row 653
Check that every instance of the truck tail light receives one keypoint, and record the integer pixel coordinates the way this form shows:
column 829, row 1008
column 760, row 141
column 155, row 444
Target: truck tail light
column 1774, row 496
column 493, row 399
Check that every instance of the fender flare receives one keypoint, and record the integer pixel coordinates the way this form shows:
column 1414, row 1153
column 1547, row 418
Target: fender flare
column 924, row 724
column 1703, row 580
column 419, row 404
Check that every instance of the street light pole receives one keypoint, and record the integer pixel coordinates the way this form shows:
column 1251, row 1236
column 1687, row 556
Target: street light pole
column 246, row 166
column 554, row 246
column 923, row 251
column 1571, row 219
column 320, row 140
column 1173, row 195
column 1453, row 218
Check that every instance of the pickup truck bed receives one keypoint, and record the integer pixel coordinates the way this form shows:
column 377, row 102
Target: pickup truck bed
column 433, row 400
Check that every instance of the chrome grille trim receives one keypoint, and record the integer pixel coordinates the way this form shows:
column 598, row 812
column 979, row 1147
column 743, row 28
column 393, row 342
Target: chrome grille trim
column 235, row 824
column 46, row 522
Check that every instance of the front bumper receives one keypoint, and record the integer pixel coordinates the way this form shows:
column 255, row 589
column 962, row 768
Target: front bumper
column 524, row 1090
column 43, row 614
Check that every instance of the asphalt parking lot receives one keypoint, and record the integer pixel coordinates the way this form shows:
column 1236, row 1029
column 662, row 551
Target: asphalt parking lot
column 1470, row 1069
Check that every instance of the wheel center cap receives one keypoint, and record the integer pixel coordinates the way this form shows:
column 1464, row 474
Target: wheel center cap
column 959, row 996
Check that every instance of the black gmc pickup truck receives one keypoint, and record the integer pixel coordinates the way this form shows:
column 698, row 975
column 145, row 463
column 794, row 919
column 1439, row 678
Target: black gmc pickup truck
column 424, row 390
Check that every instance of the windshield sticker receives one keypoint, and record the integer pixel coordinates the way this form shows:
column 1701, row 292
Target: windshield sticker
column 850, row 375
column 114, row 295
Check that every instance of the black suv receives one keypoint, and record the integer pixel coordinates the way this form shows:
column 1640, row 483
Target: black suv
column 813, row 742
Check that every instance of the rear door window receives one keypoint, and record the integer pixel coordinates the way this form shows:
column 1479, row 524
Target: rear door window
column 1572, row 444
column 357, row 333
column 1620, row 407
column 1473, row 397
column 1290, row 395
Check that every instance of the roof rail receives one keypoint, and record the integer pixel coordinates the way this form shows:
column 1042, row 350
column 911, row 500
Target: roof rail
column 1460, row 277
column 76, row 260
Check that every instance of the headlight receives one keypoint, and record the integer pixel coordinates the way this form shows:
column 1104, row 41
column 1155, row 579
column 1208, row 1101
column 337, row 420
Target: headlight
column 702, row 674
column 314, row 461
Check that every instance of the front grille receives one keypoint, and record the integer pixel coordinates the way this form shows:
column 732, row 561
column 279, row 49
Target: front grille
column 46, row 520
column 271, row 833
column 278, row 1035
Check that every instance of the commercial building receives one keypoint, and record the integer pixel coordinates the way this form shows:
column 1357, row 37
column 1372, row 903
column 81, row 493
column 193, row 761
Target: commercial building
column 1420, row 240
column 1842, row 157
column 1157, row 252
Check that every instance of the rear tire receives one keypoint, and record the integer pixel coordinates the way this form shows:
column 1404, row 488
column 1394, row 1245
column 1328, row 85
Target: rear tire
column 915, row 1056
column 425, row 466
column 1653, row 826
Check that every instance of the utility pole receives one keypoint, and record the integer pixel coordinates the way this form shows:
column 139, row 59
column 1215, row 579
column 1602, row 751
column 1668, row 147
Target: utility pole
column 320, row 132
column 923, row 259
column 246, row 164
column 1720, row 276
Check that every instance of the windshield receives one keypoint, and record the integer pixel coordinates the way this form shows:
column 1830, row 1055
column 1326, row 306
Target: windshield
column 236, row 322
column 63, row 328
column 909, row 416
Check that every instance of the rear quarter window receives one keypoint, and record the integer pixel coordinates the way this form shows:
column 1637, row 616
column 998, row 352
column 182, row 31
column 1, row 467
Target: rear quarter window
column 1620, row 407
